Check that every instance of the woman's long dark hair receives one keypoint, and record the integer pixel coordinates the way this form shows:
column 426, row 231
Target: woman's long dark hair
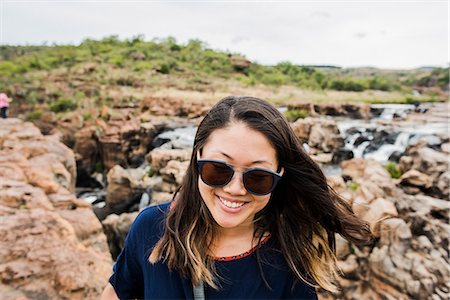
column 303, row 213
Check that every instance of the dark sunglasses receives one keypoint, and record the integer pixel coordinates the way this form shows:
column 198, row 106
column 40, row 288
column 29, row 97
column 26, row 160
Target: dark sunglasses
column 257, row 181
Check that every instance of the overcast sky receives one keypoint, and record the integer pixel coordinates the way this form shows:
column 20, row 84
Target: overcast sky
column 386, row 34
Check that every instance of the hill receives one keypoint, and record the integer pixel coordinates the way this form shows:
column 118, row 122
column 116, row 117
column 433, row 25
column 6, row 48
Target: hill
column 122, row 72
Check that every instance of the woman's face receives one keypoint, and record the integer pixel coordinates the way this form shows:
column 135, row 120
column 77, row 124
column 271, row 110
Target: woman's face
column 232, row 206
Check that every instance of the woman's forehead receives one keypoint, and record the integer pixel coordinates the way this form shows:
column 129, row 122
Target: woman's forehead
column 237, row 142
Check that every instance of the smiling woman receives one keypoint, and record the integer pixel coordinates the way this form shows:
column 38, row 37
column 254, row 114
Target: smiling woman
column 253, row 218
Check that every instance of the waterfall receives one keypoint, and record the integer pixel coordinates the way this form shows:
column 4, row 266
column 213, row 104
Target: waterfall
column 385, row 151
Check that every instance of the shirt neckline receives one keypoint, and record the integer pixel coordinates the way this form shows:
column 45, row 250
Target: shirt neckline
column 242, row 255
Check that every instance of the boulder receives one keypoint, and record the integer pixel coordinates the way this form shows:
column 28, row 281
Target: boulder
column 240, row 63
column 443, row 184
column 174, row 171
column 158, row 158
column 319, row 133
column 374, row 181
column 43, row 258
column 416, row 178
column 341, row 155
column 379, row 210
column 116, row 228
column 125, row 186
column 51, row 244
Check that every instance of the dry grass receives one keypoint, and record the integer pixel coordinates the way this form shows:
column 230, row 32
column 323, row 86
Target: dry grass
column 218, row 89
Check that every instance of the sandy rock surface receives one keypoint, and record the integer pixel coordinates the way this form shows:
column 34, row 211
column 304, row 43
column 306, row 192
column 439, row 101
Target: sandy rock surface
column 51, row 244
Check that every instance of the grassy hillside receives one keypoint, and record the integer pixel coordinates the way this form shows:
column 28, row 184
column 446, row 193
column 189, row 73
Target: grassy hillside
column 112, row 71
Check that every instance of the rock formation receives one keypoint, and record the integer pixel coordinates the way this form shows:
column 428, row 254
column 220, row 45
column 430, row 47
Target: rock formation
column 52, row 245
column 410, row 258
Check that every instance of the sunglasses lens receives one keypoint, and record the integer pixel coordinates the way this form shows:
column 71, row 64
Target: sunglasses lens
column 258, row 182
column 216, row 173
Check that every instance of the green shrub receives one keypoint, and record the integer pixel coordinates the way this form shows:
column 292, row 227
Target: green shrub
column 294, row 114
column 34, row 116
column 63, row 104
column 353, row 186
column 393, row 170
column 87, row 116
column 348, row 85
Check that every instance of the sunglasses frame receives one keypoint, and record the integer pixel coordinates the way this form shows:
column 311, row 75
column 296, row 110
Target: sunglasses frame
column 276, row 176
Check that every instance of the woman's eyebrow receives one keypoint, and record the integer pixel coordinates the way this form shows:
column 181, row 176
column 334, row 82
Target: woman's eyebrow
column 254, row 162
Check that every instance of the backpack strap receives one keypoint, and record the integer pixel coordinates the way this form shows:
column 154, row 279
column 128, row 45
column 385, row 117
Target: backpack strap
column 199, row 292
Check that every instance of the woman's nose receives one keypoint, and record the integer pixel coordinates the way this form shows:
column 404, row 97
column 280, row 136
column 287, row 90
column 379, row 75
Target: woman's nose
column 236, row 185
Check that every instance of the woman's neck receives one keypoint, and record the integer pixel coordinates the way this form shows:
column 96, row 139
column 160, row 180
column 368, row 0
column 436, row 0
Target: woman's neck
column 234, row 241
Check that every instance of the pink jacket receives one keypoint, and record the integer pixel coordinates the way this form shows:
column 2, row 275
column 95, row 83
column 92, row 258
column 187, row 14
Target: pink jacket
column 4, row 101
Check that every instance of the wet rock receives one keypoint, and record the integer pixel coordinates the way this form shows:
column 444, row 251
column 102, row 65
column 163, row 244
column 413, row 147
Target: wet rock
column 395, row 156
column 380, row 138
column 341, row 155
column 329, row 109
column 352, row 110
column 357, row 110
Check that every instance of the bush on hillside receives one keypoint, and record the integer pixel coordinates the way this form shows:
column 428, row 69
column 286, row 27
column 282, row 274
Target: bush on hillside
column 62, row 105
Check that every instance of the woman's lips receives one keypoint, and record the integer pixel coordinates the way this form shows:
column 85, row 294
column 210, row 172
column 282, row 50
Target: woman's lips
column 231, row 205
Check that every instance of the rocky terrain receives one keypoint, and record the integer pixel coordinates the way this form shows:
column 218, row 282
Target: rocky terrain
column 123, row 157
column 52, row 244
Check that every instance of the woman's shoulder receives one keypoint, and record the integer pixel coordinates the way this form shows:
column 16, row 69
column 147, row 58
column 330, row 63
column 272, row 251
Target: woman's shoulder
column 154, row 211
column 150, row 221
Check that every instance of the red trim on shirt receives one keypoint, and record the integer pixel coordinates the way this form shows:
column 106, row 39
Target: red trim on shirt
column 245, row 254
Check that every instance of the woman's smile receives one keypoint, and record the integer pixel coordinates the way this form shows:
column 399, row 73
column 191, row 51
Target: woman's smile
column 232, row 206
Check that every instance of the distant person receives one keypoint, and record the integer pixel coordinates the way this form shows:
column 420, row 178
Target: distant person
column 254, row 218
column 4, row 105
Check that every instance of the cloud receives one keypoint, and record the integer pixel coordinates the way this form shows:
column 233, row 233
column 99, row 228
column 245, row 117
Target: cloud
column 360, row 35
column 321, row 14
column 239, row 39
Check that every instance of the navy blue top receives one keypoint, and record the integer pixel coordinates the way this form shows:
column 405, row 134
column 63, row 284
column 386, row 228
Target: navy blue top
column 240, row 278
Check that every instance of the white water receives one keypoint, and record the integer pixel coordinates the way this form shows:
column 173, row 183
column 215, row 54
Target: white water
column 407, row 133
column 389, row 110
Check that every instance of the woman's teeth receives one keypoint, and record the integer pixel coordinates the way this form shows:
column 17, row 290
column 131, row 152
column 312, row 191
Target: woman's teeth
column 231, row 204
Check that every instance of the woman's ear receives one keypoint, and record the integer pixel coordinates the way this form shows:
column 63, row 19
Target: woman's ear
column 281, row 172
column 198, row 155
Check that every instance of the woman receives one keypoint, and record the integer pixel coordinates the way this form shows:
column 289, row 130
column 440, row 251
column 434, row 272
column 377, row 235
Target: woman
column 4, row 105
column 253, row 218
